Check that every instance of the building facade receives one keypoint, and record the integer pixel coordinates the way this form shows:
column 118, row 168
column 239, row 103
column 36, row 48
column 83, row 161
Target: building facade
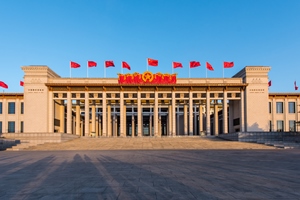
column 135, row 105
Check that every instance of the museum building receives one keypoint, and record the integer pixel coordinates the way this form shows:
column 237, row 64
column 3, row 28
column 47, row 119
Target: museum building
column 147, row 104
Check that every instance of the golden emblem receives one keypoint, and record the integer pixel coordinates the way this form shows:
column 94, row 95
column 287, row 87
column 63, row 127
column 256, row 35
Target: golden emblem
column 147, row 76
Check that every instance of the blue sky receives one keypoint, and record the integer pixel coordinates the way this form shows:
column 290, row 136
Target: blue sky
column 54, row 32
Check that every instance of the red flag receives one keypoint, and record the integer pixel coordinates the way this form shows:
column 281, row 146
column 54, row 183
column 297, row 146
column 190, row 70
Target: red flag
column 194, row 64
column 2, row 84
column 177, row 65
column 209, row 67
column 228, row 64
column 92, row 64
column 109, row 63
column 21, row 83
column 152, row 62
column 296, row 87
column 125, row 65
column 270, row 83
column 74, row 65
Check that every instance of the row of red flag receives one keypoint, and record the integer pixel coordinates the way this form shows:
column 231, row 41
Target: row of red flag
column 151, row 62
column 295, row 84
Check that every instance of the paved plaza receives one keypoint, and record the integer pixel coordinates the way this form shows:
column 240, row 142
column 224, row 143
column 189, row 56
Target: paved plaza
column 150, row 174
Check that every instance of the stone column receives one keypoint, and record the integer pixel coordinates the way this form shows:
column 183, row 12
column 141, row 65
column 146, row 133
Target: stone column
column 124, row 122
column 51, row 114
column 69, row 113
column 274, row 124
column 17, row 114
column 122, row 111
column 156, row 113
column 208, row 113
column 159, row 125
column 200, row 119
column 86, row 114
column 173, row 114
column 216, row 118
column 150, row 124
column 225, row 119
column 132, row 126
column 62, row 116
column 78, row 132
column 104, row 115
column 109, row 132
column 139, row 117
column 5, row 113
column 185, row 119
column 170, row 121
column 191, row 113
column 242, row 120
column 93, row 118
column 286, row 126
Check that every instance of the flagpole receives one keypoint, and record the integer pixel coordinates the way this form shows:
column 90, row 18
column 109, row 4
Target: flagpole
column 223, row 70
column 190, row 72
column 147, row 63
column 206, row 72
column 70, row 72
column 104, row 70
column 87, row 70
column 172, row 69
column 121, row 68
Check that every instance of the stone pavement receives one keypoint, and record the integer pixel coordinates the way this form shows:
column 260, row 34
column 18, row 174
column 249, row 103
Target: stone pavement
column 155, row 174
column 148, row 143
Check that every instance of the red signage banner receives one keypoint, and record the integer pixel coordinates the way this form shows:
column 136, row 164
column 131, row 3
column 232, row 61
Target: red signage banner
column 147, row 78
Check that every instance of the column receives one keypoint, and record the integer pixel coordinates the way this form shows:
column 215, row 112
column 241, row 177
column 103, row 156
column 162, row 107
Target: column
column 159, row 125
column 132, row 126
column 191, row 113
column 170, row 121
column 78, row 132
column 139, row 117
column 69, row 113
column 86, row 114
column 100, row 126
column 51, row 114
column 274, row 124
column 109, row 121
column 286, row 126
column 208, row 113
column 5, row 113
column 150, row 124
column 225, row 119
column 104, row 115
column 156, row 113
column 173, row 114
column 200, row 119
column 93, row 118
column 185, row 119
column 62, row 116
column 122, row 111
column 124, row 121
column 242, row 120
column 216, row 118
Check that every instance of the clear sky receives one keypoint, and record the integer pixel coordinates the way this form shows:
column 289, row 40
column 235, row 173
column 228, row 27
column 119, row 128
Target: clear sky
column 54, row 32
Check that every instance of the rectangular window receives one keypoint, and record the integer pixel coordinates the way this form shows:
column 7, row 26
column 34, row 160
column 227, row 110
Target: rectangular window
column 270, row 107
column 0, row 107
column 280, row 126
column 292, row 107
column 292, row 125
column 0, row 127
column 22, row 107
column 22, row 127
column 270, row 126
column 279, row 107
column 11, row 107
column 11, row 127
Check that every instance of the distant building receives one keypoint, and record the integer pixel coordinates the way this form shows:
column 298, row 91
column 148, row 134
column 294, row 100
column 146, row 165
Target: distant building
column 147, row 105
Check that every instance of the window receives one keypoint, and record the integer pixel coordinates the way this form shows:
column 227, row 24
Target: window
column 280, row 126
column 292, row 125
column 22, row 126
column 186, row 95
column 270, row 126
column 279, row 107
column 270, row 107
column 291, row 107
column 11, row 127
column 151, row 95
column 22, row 107
column 0, row 107
column 169, row 95
column 11, row 107
column 0, row 127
